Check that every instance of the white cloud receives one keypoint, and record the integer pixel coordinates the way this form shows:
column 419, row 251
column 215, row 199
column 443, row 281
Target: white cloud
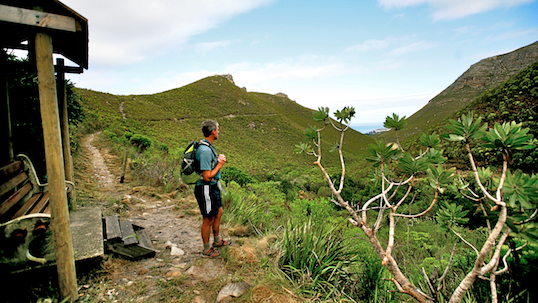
column 306, row 67
column 400, row 46
column 412, row 48
column 370, row 45
column 205, row 47
column 454, row 9
column 128, row 31
column 513, row 34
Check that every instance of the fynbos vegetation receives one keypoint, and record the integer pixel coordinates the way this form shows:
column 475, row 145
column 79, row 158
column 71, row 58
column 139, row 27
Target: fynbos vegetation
column 510, row 197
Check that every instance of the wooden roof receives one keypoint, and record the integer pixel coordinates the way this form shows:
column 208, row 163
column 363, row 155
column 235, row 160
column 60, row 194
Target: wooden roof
column 21, row 19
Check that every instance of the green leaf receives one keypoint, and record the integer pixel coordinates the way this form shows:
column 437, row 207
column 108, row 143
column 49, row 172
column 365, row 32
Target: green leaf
column 430, row 141
column 440, row 177
column 451, row 214
column 395, row 123
column 434, row 157
column 520, row 190
column 302, row 148
column 508, row 137
column 465, row 129
column 345, row 115
column 408, row 164
column 321, row 114
column 381, row 152
column 311, row 134
column 334, row 147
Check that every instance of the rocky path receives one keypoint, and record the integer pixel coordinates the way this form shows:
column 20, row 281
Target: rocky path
column 170, row 222
column 106, row 179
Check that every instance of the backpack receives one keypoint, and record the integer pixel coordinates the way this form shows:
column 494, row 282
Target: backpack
column 190, row 167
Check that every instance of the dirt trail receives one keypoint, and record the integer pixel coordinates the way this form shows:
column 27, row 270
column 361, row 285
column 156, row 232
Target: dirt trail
column 165, row 218
column 105, row 178
column 159, row 216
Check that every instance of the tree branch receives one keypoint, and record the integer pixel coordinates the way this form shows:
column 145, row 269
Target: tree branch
column 425, row 211
column 464, row 241
column 473, row 165
column 442, row 278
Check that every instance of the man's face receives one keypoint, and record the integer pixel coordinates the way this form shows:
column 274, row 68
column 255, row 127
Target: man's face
column 216, row 132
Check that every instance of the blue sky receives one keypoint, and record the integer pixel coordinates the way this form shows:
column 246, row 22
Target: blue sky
column 379, row 56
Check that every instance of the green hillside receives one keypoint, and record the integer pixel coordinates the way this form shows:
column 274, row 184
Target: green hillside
column 514, row 100
column 258, row 131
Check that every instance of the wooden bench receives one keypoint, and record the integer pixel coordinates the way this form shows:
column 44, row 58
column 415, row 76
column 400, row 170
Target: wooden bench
column 21, row 193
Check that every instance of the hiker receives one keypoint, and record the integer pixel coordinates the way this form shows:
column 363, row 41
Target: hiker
column 208, row 189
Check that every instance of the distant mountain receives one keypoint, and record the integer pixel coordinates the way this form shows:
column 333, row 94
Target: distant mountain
column 480, row 77
column 259, row 131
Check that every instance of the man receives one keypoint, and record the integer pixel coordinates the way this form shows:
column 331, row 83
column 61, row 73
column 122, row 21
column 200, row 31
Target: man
column 207, row 189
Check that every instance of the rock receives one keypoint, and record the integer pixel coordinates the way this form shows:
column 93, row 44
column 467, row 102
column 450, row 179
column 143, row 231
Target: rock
column 229, row 78
column 173, row 274
column 198, row 299
column 176, row 251
column 195, row 271
column 181, row 265
column 233, row 290
column 169, row 244
column 143, row 271
column 126, row 200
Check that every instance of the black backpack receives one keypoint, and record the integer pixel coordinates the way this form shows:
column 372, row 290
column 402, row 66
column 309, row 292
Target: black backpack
column 190, row 167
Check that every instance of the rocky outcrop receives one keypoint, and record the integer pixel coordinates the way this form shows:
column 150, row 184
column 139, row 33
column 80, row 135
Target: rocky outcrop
column 229, row 78
column 493, row 71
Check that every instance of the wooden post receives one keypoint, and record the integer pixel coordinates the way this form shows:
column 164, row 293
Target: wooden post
column 64, row 124
column 7, row 155
column 61, row 233
column 124, row 165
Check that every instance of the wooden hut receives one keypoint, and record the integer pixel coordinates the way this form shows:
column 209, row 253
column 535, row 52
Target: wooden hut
column 45, row 27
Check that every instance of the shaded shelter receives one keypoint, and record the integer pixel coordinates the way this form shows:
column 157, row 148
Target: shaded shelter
column 43, row 28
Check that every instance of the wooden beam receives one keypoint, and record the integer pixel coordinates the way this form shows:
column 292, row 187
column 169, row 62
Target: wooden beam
column 61, row 233
column 6, row 151
column 64, row 124
column 36, row 18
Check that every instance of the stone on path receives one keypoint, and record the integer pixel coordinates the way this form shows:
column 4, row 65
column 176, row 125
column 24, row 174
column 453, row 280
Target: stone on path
column 233, row 290
column 176, row 251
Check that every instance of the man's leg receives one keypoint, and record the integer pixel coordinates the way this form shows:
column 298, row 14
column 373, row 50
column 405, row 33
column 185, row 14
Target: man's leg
column 206, row 231
column 216, row 226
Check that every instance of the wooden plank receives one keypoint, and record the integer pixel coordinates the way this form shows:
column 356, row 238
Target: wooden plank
column 42, row 204
column 128, row 234
column 143, row 239
column 112, row 228
column 28, row 206
column 15, row 198
column 12, row 183
column 36, row 18
column 10, row 169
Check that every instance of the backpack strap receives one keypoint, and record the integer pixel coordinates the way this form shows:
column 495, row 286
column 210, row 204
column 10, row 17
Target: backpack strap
column 213, row 163
column 210, row 147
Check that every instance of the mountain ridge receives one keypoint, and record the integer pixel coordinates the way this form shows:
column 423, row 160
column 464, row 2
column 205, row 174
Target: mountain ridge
column 484, row 75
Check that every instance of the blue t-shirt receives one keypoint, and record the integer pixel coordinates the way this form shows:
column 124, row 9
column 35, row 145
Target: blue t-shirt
column 208, row 160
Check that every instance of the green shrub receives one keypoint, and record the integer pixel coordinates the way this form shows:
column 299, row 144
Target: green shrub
column 141, row 142
column 230, row 173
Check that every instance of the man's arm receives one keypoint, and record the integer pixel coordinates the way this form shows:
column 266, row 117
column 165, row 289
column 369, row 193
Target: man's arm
column 207, row 175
